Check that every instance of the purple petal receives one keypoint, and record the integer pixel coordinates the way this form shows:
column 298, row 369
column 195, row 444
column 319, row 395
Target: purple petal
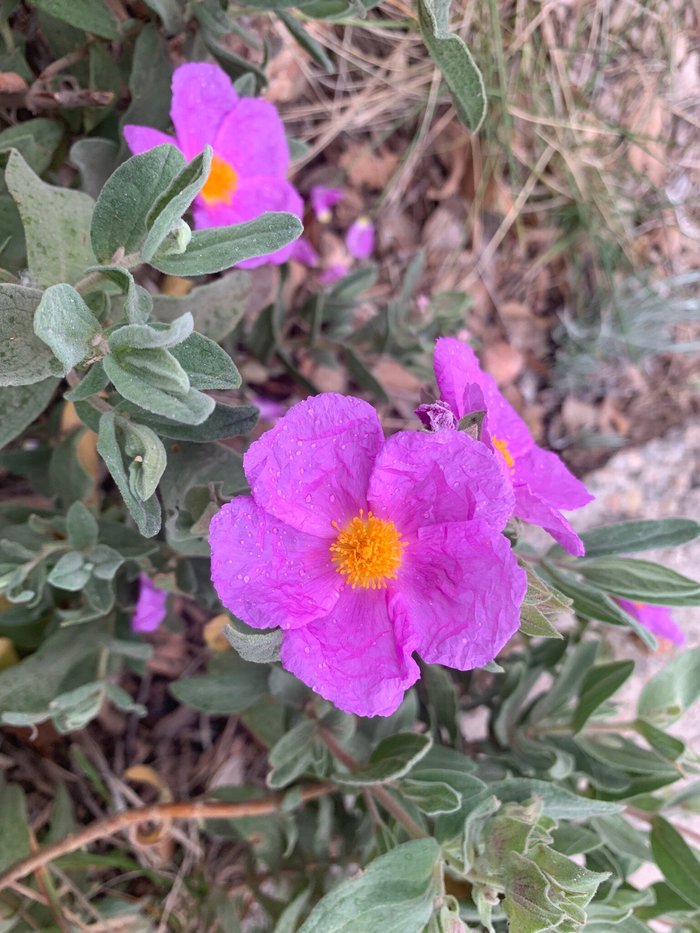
column 142, row 138
column 312, row 468
column 360, row 238
column 426, row 479
column 352, row 657
column 251, row 137
column 458, row 594
column 304, row 253
column 548, row 478
column 202, row 96
column 334, row 273
column 267, row 573
column 437, row 416
column 323, row 199
column 657, row 619
column 535, row 510
column 150, row 607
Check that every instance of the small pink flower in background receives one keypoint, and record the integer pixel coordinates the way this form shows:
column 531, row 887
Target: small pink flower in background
column 365, row 550
column 360, row 238
column 270, row 409
column 150, row 607
column 304, row 253
column 657, row 619
column 323, row 199
column 251, row 155
column 333, row 273
column 541, row 482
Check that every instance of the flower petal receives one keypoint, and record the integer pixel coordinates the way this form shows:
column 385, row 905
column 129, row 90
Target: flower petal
column 251, row 137
column 550, row 479
column 267, row 573
column 657, row 619
column 458, row 594
column 352, row 657
column 313, row 467
column 150, row 608
column 142, row 138
column 537, row 511
column 424, row 478
column 202, row 96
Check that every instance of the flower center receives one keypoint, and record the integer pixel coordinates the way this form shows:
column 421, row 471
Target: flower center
column 368, row 551
column 502, row 447
column 220, row 186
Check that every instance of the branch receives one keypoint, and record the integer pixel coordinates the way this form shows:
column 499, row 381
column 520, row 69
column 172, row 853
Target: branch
column 159, row 812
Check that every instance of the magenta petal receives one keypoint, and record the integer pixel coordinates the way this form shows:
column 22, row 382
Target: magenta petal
column 142, row 138
column 352, row 657
column 312, row 468
column 304, row 253
column 458, row 595
column 202, row 96
column 150, row 607
column 657, row 619
column 251, row 138
column 550, row 479
column 426, row 479
column 360, row 238
column 267, row 573
column 323, row 199
column 535, row 510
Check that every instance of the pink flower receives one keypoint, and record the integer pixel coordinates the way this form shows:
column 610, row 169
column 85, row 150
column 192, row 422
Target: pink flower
column 364, row 551
column 251, row 154
column 360, row 238
column 150, row 607
column 304, row 253
column 541, row 482
column 333, row 273
column 323, row 199
column 657, row 619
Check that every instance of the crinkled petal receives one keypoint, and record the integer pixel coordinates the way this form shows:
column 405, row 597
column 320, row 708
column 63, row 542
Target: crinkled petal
column 313, row 467
column 142, row 138
column 253, row 197
column 352, row 657
column 202, row 96
column 267, row 573
column 150, row 608
column 251, row 138
column 550, row 479
column 424, row 478
column 457, row 598
column 657, row 619
column 535, row 510
column 457, row 370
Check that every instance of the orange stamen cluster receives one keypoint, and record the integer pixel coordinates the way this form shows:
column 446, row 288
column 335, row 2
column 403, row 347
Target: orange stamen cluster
column 368, row 551
column 221, row 185
column 502, row 447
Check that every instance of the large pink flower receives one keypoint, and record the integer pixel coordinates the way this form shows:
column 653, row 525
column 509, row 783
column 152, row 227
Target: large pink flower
column 657, row 619
column 251, row 155
column 541, row 482
column 364, row 551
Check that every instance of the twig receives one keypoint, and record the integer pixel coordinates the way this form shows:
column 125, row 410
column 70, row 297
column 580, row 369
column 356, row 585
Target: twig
column 154, row 813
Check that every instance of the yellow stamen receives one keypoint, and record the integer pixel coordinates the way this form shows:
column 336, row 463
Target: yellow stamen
column 502, row 447
column 221, row 184
column 368, row 551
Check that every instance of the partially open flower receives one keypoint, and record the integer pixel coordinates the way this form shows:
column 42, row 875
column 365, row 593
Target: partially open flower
column 657, row 619
column 365, row 551
column 251, row 155
column 323, row 199
column 360, row 238
column 150, row 608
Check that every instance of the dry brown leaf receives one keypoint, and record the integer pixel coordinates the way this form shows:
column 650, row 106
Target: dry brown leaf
column 12, row 83
column 365, row 166
column 503, row 361
column 213, row 633
column 176, row 287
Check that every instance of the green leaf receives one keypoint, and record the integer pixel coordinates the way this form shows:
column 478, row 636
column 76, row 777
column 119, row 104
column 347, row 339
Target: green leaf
column 119, row 221
column 306, row 41
column 224, row 693
column 206, row 364
column 21, row 405
column 56, row 223
column 148, row 459
column 66, row 324
column 172, row 204
column 557, row 802
column 392, row 759
column 24, row 357
column 453, row 58
column 70, row 573
column 673, row 690
column 95, row 158
column 666, row 745
column 630, row 537
column 146, row 514
column 641, row 580
column 598, row 685
column 14, row 820
column 257, row 647
column 139, row 303
column 216, row 307
column 37, row 140
column 224, row 421
column 95, row 380
column 431, row 797
column 394, row 894
column 74, row 709
column 677, row 861
column 149, row 81
column 151, row 336
column 86, row 15
column 292, row 755
column 218, row 248
column 81, row 526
